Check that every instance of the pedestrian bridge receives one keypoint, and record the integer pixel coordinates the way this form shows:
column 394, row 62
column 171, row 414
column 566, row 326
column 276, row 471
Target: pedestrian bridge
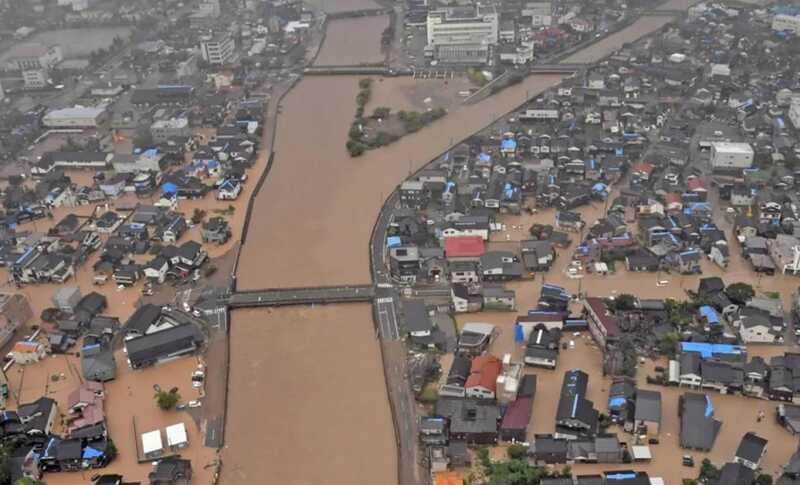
column 301, row 296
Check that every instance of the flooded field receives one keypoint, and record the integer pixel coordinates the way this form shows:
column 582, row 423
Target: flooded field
column 75, row 43
column 308, row 399
column 353, row 41
column 607, row 46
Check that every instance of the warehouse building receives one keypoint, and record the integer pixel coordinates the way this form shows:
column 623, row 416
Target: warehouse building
column 75, row 117
column 727, row 156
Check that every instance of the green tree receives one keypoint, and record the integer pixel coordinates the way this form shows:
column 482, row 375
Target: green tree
column 197, row 216
column 381, row 112
column 764, row 479
column 668, row 343
column 384, row 138
column 365, row 83
column 708, row 471
column 624, row 302
column 517, row 452
column 740, row 292
column 167, row 400
column 111, row 451
column 355, row 148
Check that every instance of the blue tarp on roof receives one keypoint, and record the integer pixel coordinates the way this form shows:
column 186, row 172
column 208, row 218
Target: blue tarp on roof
column 89, row 453
column 212, row 164
column 616, row 402
column 619, row 151
column 508, row 144
column 484, row 157
column 621, row 476
column 709, row 407
column 392, row 241
column 709, row 314
column 709, row 350
column 519, row 335
column 169, row 188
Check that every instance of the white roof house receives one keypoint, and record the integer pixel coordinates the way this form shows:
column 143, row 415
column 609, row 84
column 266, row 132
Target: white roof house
column 151, row 443
column 176, row 436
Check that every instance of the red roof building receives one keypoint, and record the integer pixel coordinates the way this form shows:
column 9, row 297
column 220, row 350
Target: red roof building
column 464, row 247
column 516, row 419
column 602, row 324
column 695, row 184
column 482, row 380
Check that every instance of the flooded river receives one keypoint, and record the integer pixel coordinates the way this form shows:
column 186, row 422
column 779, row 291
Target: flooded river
column 302, row 378
column 353, row 41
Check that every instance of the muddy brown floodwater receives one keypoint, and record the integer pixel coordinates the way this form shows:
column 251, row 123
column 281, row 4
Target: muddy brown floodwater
column 353, row 41
column 307, row 399
column 309, row 403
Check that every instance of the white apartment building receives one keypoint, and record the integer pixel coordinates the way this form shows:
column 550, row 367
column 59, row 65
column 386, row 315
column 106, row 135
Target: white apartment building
column 541, row 13
column 728, row 156
column 462, row 26
column 218, row 50
column 34, row 78
column 33, row 55
column 794, row 113
column 75, row 117
column 782, row 22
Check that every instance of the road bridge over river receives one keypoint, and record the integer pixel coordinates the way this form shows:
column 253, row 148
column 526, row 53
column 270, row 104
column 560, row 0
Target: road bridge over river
column 301, row 296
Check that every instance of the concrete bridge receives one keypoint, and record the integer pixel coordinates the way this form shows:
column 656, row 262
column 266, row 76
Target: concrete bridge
column 356, row 71
column 301, row 296
column 556, row 68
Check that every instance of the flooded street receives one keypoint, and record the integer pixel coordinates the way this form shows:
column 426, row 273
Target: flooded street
column 353, row 41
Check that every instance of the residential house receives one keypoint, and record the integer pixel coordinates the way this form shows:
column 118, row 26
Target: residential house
column 500, row 266
column 537, row 255
column 474, row 421
column 699, row 428
column 456, row 379
column 482, row 381
column 785, row 253
column 647, row 417
column 216, row 230
column 575, row 415
column 788, row 415
column 548, row 450
column 156, row 270
column 418, row 322
column 498, row 299
column 517, row 417
column 463, row 301
column 463, row 272
column 734, row 474
column 191, row 254
column 142, row 319
column 171, row 471
column 39, row 416
column 690, row 370
column 475, row 338
column 67, row 299
column 542, row 347
column 97, row 359
column 751, row 450
column 757, row 326
column 229, row 189
column 27, row 352
column 163, row 345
